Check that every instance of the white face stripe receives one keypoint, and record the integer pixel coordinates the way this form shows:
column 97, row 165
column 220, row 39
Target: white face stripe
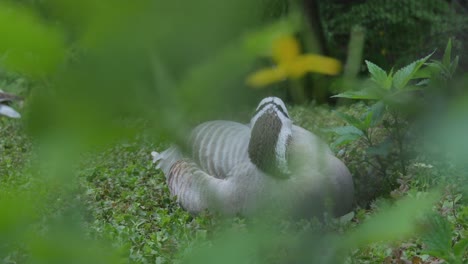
column 270, row 103
column 275, row 100
column 281, row 144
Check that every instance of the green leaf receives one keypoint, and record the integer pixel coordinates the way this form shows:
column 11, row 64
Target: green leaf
column 367, row 119
column 405, row 74
column 351, row 120
column 378, row 75
column 447, row 54
column 259, row 42
column 347, row 130
column 382, row 149
column 377, row 113
column 436, row 67
column 370, row 92
column 454, row 65
column 423, row 82
column 438, row 238
column 28, row 44
column 345, row 139
column 347, row 218
column 363, row 94
column 392, row 223
column 426, row 72
column 460, row 248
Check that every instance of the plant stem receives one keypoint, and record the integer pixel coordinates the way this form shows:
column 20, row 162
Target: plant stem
column 355, row 48
column 382, row 168
column 399, row 139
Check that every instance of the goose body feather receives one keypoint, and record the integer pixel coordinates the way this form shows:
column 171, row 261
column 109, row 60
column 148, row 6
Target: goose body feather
column 217, row 173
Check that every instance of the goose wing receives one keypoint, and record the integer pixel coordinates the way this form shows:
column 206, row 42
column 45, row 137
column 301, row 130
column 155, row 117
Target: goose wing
column 217, row 146
column 313, row 159
column 196, row 190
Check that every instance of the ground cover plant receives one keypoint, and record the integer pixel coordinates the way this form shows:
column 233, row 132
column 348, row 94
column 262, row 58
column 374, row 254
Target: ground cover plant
column 106, row 83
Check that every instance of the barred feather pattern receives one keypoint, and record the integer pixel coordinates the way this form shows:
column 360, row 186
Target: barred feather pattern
column 217, row 146
column 218, row 174
column 196, row 191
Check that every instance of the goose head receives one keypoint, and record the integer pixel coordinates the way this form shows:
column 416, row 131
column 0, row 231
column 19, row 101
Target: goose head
column 271, row 132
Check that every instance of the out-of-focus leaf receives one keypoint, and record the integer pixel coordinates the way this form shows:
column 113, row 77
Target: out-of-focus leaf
column 405, row 74
column 378, row 110
column 426, row 72
column 93, row 24
column 351, row 120
column 259, row 42
column 367, row 119
column 381, row 149
column 423, row 82
column 345, row 139
column 345, row 130
column 392, row 222
column 186, row 39
column 454, row 65
column 434, row 67
column 28, row 45
column 65, row 244
column 438, row 237
column 460, row 248
column 402, row 97
column 447, row 54
column 347, row 218
column 224, row 85
column 16, row 213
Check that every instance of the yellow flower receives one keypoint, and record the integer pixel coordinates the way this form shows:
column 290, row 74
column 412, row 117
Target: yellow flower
column 290, row 63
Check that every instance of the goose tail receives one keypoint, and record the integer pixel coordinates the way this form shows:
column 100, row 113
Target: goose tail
column 157, row 157
column 164, row 160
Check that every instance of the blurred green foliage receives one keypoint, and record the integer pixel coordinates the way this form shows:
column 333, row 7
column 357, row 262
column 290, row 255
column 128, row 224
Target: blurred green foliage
column 105, row 80
column 29, row 45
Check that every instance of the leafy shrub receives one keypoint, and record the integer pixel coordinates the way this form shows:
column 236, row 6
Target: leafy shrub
column 386, row 128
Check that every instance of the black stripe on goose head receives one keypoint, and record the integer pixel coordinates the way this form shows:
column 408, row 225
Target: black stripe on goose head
column 270, row 136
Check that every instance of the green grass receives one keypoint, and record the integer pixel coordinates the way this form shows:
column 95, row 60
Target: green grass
column 120, row 198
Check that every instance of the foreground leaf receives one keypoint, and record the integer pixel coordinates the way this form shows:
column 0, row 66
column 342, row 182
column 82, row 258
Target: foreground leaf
column 393, row 222
column 438, row 238
column 28, row 45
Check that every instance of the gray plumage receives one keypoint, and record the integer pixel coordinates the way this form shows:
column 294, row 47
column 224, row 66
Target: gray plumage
column 5, row 109
column 242, row 169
